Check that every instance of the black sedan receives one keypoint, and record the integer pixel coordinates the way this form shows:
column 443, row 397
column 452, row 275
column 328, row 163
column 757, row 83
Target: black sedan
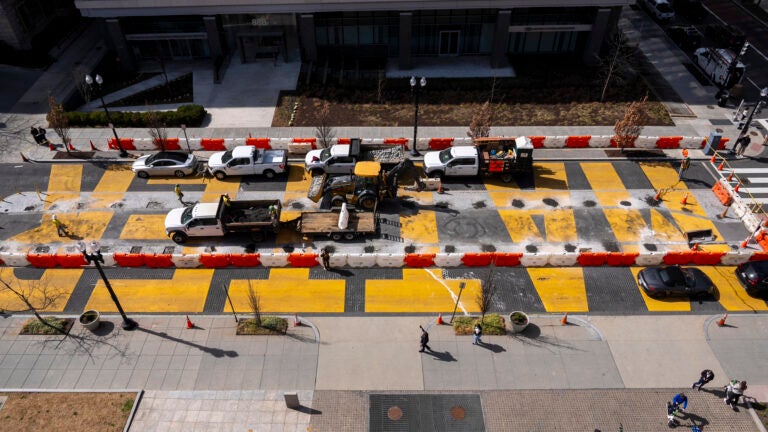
column 674, row 281
column 754, row 276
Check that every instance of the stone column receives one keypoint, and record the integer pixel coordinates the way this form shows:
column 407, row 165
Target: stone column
column 501, row 39
column 115, row 31
column 214, row 37
column 307, row 37
column 406, row 30
column 600, row 28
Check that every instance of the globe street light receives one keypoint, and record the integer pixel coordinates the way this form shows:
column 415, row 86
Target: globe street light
column 97, row 259
column 415, row 90
column 90, row 80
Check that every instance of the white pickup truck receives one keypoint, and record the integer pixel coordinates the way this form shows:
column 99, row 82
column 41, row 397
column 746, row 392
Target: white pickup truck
column 502, row 157
column 342, row 158
column 247, row 160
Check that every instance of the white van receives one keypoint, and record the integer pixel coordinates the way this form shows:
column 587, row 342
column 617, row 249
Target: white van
column 716, row 62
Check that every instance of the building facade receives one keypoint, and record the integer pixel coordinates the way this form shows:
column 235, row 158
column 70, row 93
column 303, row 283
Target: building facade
column 21, row 21
column 316, row 31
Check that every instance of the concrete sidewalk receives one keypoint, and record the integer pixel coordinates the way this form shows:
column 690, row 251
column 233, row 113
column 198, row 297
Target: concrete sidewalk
column 209, row 379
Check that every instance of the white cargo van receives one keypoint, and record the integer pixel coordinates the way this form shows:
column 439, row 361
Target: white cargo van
column 716, row 62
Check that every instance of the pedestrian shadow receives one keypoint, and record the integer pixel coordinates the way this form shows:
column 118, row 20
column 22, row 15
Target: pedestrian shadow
column 492, row 347
column 340, row 272
column 532, row 336
column 442, row 356
column 692, row 420
column 216, row 352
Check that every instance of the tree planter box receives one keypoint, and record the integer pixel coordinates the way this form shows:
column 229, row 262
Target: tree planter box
column 519, row 321
column 90, row 319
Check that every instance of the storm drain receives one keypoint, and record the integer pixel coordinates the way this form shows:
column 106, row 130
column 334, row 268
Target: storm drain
column 445, row 412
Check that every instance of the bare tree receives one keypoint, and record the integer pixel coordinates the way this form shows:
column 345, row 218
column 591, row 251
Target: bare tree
column 381, row 84
column 324, row 132
column 35, row 296
column 615, row 67
column 480, row 126
column 157, row 129
column 628, row 129
column 57, row 119
column 254, row 301
column 486, row 295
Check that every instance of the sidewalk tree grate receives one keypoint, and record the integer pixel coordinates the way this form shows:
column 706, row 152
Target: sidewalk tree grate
column 425, row 412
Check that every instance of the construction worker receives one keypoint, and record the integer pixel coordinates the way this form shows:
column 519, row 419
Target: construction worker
column 325, row 258
column 684, row 165
column 225, row 197
column 272, row 211
column 61, row 229
column 179, row 193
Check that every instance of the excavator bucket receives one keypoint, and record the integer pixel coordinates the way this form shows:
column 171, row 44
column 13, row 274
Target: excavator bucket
column 316, row 188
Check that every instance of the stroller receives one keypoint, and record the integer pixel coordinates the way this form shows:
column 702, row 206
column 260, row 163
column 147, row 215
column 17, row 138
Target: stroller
column 673, row 422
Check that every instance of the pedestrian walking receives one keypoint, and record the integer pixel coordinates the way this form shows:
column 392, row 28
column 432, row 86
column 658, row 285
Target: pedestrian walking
column 743, row 143
column 706, row 376
column 35, row 134
column 325, row 258
column 477, row 334
column 684, row 165
column 61, row 229
column 680, row 399
column 424, row 341
column 179, row 193
column 41, row 133
column 734, row 390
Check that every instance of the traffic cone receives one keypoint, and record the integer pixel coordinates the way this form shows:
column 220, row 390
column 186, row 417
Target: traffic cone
column 658, row 196
column 189, row 323
column 23, row 158
column 713, row 159
column 71, row 147
column 736, row 188
column 695, row 247
column 720, row 167
column 685, row 199
column 51, row 146
column 440, row 319
column 440, row 188
column 93, row 147
column 721, row 321
column 296, row 321
column 730, row 176
column 564, row 319
column 745, row 243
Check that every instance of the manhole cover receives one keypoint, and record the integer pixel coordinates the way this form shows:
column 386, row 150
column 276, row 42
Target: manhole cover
column 395, row 413
column 458, row 413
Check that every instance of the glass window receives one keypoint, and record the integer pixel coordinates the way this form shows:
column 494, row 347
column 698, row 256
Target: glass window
column 486, row 38
column 547, row 42
column 350, row 35
column 366, row 34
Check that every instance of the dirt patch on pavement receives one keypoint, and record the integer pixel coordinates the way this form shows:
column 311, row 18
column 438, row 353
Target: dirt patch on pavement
column 33, row 412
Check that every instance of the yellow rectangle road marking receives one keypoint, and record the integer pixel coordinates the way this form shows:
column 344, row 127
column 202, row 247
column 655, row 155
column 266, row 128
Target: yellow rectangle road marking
column 298, row 179
column 627, row 225
column 114, row 180
column 63, row 185
column 290, row 290
column 694, row 223
column 53, row 289
column 662, row 175
column 560, row 226
column 520, row 226
column 550, row 176
column 560, row 289
column 602, row 176
column 190, row 180
column 663, row 229
column 731, row 294
column 421, row 290
column 661, row 305
column 216, row 188
column 144, row 227
column 185, row 292
column 87, row 225
column 612, row 199
column 530, row 200
column 420, row 228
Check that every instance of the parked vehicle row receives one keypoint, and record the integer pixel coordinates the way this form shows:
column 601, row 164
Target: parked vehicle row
column 242, row 160
column 677, row 281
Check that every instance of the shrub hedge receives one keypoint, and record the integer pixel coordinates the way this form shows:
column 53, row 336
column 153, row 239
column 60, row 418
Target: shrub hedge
column 190, row 115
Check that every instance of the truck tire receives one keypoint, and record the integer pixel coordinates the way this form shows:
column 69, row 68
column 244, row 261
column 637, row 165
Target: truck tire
column 337, row 200
column 436, row 175
column 142, row 174
column 178, row 237
column 269, row 174
column 335, row 236
column 220, row 175
column 367, row 202
column 349, row 236
column 317, row 172
column 179, row 173
column 506, row 177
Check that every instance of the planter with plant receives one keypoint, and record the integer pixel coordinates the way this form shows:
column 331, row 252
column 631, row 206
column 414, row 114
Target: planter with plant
column 90, row 319
column 260, row 325
column 519, row 321
column 492, row 324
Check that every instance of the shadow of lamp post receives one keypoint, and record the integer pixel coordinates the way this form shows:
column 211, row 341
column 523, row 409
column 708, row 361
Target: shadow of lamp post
column 89, row 80
column 415, row 90
column 95, row 258
column 184, row 129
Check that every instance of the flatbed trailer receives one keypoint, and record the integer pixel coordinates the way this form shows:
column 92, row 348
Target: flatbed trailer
column 326, row 223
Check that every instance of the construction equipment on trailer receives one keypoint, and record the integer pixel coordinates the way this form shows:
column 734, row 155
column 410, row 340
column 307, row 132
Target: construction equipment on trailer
column 338, row 224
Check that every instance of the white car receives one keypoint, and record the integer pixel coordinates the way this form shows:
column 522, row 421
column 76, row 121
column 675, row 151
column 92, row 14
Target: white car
column 660, row 9
column 165, row 164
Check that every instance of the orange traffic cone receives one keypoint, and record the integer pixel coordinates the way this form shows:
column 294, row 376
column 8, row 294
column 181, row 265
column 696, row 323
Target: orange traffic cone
column 685, row 199
column 721, row 321
column 730, row 176
column 658, row 196
column 564, row 319
column 736, row 188
column 71, row 147
column 695, row 247
column 296, row 320
column 745, row 243
column 720, row 167
column 440, row 188
column 440, row 319
column 189, row 323
column 713, row 159
column 51, row 146
column 24, row 158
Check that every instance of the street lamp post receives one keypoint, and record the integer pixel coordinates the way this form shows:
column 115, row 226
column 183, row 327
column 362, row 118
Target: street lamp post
column 90, row 80
column 763, row 100
column 415, row 90
column 184, row 128
column 96, row 259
